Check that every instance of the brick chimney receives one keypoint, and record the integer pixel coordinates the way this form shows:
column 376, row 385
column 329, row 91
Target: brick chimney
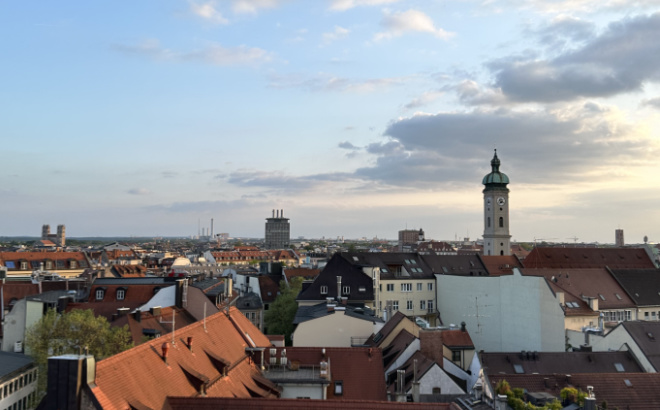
column 430, row 344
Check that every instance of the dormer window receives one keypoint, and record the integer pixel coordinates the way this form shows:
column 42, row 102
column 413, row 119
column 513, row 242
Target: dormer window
column 72, row 264
column 324, row 290
column 99, row 294
column 24, row 265
column 362, row 289
column 121, row 294
column 345, row 290
column 49, row 265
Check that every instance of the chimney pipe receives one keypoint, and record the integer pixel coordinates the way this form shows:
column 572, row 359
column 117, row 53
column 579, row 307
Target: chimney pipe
column 165, row 348
column 338, row 288
column 273, row 213
column 281, row 213
column 190, row 343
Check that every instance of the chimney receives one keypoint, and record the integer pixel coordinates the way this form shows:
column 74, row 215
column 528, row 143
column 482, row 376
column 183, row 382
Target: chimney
column 463, row 327
column 501, row 402
column 156, row 310
column 165, row 348
column 66, row 378
column 593, row 304
column 400, row 386
column 281, row 213
column 122, row 311
column 138, row 315
column 560, row 298
column 190, row 343
column 415, row 384
column 338, row 287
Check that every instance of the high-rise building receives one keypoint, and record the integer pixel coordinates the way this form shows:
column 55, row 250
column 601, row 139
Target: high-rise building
column 496, row 211
column 278, row 231
column 408, row 237
column 618, row 238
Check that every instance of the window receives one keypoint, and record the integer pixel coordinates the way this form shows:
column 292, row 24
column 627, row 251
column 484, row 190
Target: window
column 73, row 264
column 49, row 265
column 362, row 289
column 430, row 286
column 23, row 265
column 324, row 290
column 406, row 287
column 489, row 221
column 518, row 368
column 409, row 305
column 121, row 293
column 420, row 287
column 429, row 305
column 390, row 287
column 422, row 304
column 99, row 294
column 501, row 222
column 345, row 290
column 339, row 388
column 395, row 305
column 455, row 355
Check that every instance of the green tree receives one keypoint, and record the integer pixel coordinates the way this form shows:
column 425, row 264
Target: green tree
column 73, row 333
column 279, row 317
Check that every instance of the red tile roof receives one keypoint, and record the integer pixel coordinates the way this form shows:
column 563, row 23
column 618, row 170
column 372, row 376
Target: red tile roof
column 456, row 338
column 200, row 403
column 498, row 265
column 611, row 387
column 581, row 258
column 140, row 376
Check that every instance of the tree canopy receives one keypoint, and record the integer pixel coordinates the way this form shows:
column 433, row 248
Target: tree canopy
column 76, row 332
column 279, row 317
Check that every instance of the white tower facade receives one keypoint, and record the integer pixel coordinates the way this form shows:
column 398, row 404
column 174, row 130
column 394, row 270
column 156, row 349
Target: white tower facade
column 497, row 240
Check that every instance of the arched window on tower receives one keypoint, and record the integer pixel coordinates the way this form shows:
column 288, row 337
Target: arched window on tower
column 489, row 221
column 501, row 253
column 501, row 222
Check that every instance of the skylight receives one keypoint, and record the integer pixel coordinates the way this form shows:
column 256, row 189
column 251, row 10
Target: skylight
column 601, row 296
column 518, row 368
column 628, row 383
column 619, row 367
column 617, row 296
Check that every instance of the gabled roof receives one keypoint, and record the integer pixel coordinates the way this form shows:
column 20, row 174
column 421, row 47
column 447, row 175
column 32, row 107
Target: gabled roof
column 593, row 283
column 466, row 264
column 647, row 336
column 558, row 362
column 409, row 265
column 352, row 276
column 34, row 259
column 498, row 265
column 423, row 363
column 398, row 345
column 585, row 258
column 377, row 338
column 140, row 375
column 269, row 288
column 642, row 285
column 301, row 272
column 457, row 338
column 640, row 391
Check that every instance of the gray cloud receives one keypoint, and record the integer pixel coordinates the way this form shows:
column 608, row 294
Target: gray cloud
column 564, row 29
column 282, row 182
column 620, row 60
column 653, row 102
column 347, row 145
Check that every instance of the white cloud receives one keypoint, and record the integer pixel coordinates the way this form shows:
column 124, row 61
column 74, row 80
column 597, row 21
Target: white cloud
column 213, row 54
column 208, row 11
column 397, row 24
column 338, row 33
column 343, row 5
column 327, row 82
column 253, row 6
column 424, row 99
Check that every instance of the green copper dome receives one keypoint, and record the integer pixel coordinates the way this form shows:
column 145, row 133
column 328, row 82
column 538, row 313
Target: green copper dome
column 495, row 177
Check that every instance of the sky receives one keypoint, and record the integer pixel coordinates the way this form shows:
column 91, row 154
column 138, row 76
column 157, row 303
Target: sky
column 357, row 118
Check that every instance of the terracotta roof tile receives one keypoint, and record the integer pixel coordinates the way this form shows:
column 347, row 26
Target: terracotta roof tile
column 585, row 258
column 199, row 403
column 456, row 338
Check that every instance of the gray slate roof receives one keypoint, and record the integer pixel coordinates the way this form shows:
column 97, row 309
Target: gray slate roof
column 13, row 362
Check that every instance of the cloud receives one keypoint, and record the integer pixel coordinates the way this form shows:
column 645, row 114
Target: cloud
column 208, row 12
column 253, row 6
column 564, row 29
column 583, row 6
column 213, row 54
column 620, row 60
column 338, row 33
column 652, row 102
column 282, row 182
column 343, row 5
column 424, row 99
column 328, row 82
column 139, row 191
column 573, row 143
column 347, row 145
column 400, row 23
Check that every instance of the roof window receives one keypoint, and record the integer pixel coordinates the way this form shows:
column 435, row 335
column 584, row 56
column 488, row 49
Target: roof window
column 600, row 295
column 339, row 388
column 619, row 367
column 518, row 368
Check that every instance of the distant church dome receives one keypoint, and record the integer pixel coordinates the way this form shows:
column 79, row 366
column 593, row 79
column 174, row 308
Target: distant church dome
column 495, row 177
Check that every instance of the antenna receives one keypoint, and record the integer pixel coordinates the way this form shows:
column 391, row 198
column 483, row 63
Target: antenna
column 205, row 316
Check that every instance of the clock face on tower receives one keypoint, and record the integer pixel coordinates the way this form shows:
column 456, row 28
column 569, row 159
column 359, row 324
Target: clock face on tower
column 501, row 200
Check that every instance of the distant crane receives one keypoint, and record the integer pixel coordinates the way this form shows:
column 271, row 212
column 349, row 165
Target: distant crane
column 575, row 239
column 542, row 239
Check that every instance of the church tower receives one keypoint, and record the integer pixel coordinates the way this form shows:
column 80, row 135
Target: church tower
column 496, row 211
